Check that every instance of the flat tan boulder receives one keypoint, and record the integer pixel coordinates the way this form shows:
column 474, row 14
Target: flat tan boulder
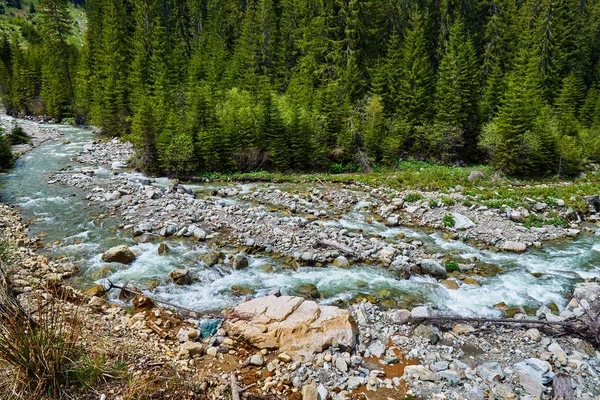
column 119, row 254
column 515, row 247
column 298, row 327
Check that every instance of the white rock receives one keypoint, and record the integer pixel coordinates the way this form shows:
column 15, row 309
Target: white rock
column 462, row 222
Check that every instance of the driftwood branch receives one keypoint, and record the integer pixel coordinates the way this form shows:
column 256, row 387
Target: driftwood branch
column 342, row 248
column 235, row 389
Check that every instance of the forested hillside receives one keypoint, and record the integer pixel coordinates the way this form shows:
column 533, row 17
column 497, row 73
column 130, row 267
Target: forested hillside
column 220, row 85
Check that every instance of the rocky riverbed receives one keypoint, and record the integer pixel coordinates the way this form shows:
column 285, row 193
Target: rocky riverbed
column 364, row 351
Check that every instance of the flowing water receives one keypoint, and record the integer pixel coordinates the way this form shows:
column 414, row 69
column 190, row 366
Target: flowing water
column 61, row 214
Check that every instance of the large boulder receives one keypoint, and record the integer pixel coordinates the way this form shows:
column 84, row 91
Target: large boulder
column 298, row 327
column 515, row 247
column 462, row 222
column 433, row 268
column 120, row 254
column 589, row 291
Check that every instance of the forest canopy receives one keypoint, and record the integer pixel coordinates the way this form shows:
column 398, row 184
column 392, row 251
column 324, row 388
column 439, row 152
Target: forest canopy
column 294, row 85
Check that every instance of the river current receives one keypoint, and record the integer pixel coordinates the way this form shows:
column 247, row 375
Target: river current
column 61, row 215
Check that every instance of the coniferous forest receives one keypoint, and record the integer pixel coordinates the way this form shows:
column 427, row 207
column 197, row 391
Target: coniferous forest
column 338, row 85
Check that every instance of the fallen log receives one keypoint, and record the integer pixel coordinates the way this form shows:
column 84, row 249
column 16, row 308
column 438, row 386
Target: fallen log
column 342, row 248
column 448, row 318
column 562, row 388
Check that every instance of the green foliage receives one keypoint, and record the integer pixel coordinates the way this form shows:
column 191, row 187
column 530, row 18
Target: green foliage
column 5, row 251
column 18, row 136
column 448, row 221
column 412, row 197
column 452, row 266
column 6, row 156
column 293, row 86
column 448, row 201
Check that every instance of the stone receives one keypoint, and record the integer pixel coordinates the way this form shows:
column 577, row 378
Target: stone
column 309, row 391
column 96, row 301
column 308, row 290
column 401, row 317
column 181, row 277
column 558, row 353
column 322, row 392
column 141, row 302
column 193, row 348
column 475, row 393
column 341, row 364
column 538, row 369
column 533, row 334
column 450, row 376
column 419, row 372
column 462, row 222
column 531, row 385
column 241, row 291
column 450, row 284
column 463, row 329
column 421, row 311
column 163, row 249
column 516, row 216
column 489, row 371
column 433, row 268
column 212, row 351
column 211, row 258
column 257, row 360
column 515, row 247
column 341, row 262
column 377, row 349
column 354, row 382
column 199, row 234
column 589, row 291
column 96, row 290
column 298, row 327
column 240, row 261
column 476, row 175
column 427, row 332
column 119, row 254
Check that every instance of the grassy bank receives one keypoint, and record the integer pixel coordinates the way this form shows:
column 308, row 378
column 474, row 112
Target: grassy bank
column 494, row 190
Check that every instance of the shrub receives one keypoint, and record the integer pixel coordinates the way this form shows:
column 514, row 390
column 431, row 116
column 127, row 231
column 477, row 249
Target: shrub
column 6, row 156
column 452, row 266
column 18, row 136
column 448, row 201
column 42, row 351
column 448, row 220
column 433, row 203
column 412, row 197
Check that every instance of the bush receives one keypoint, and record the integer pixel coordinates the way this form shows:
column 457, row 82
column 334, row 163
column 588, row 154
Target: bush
column 448, row 220
column 412, row 197
column 18, row 136
column 6, row 156
column 452, row 266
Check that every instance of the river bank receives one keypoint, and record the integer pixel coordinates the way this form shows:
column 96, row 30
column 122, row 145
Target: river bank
column 298, row 227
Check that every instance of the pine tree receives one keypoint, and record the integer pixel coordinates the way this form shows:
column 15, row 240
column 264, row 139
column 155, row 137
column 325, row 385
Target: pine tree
column 457, row 90
column 415, row 88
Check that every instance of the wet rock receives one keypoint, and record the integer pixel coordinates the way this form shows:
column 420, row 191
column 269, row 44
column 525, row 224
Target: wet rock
column 199, row 234
column 558, row 352
column 299, row 327
column 341, row 364
column 241, row 291
column 515, row 247
column 240, row 262
column 462, row 222
column 163, row 249
column 211, row 258
column 119, row 254
column 308, row 290
column 181, row 277
column 341, row 262
column 450, row 284
column 96, row 290
column 433, row 268
column 538, row 369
